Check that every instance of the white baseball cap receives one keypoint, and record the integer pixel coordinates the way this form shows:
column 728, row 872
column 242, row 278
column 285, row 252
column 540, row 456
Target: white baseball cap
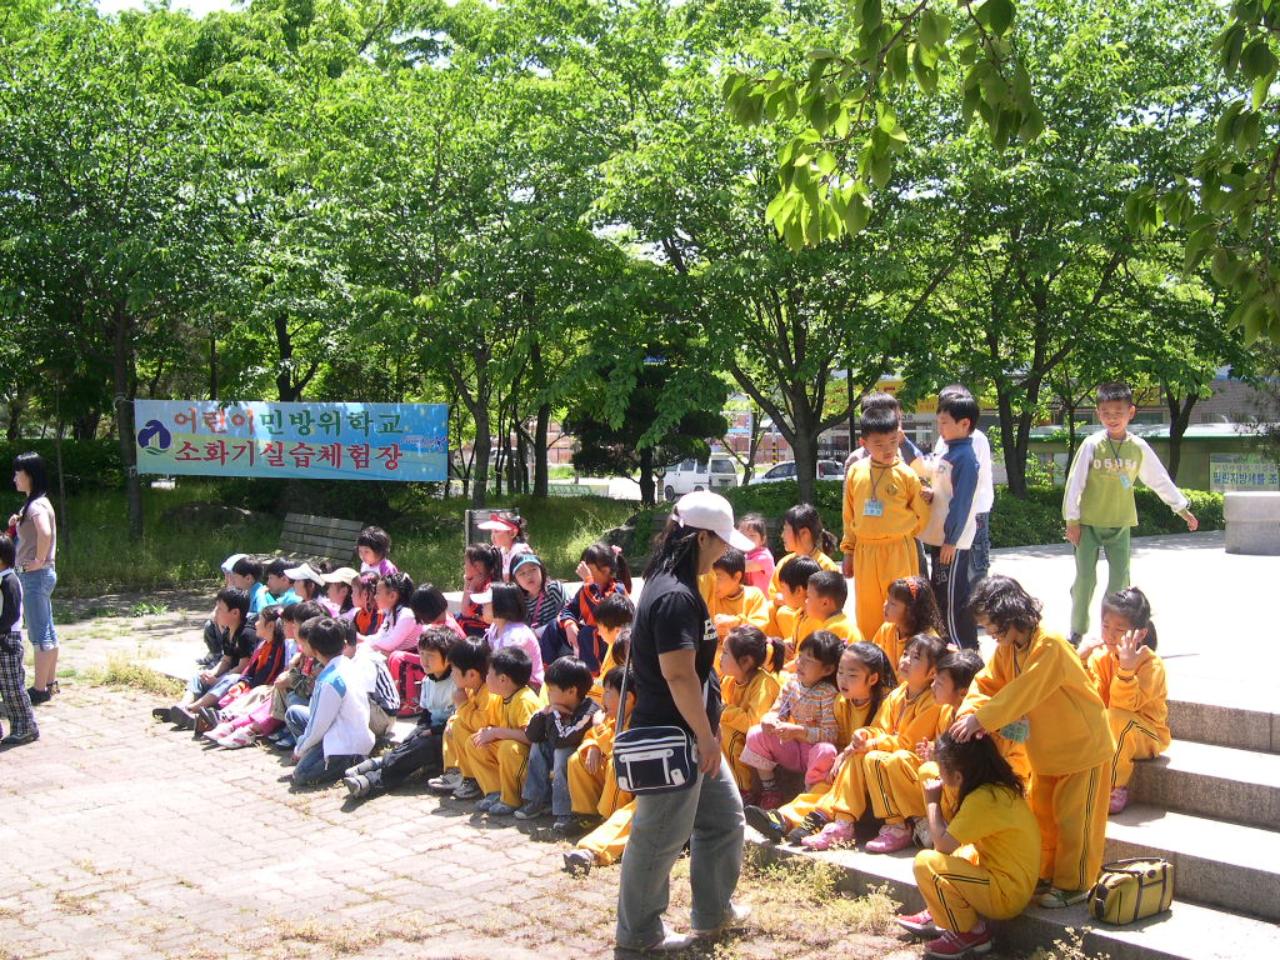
column 231, row 561
column 341, row 575
column 483, row 597
column 704, row 510
column 303, row 572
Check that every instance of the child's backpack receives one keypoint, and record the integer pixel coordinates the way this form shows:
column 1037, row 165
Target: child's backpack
column 407, row 671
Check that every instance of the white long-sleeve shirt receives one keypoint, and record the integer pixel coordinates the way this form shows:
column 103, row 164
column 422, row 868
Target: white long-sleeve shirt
column 1099, row 489
column 985, row 497
column 339, row 713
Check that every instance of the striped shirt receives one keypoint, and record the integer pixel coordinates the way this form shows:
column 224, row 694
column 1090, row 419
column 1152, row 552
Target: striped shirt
column 814, row 708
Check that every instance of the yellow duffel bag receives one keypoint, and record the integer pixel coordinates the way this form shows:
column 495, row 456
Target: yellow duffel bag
column 1132, row 890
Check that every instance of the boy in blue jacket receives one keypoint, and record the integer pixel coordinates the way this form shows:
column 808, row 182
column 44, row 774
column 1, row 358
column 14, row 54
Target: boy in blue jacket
column 337, row 735
column 953, row 519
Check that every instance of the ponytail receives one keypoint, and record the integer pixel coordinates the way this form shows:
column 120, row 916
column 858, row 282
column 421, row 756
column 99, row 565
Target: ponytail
column 609, row 557
column 777, row 658
column 1132, row 604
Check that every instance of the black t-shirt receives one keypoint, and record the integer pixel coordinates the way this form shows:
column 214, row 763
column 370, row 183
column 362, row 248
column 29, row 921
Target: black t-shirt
column 240, row 644
column 670, row 616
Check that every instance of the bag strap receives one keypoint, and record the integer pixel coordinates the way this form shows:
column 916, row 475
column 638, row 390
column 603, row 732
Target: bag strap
column 622, row 692
column 1135, row 865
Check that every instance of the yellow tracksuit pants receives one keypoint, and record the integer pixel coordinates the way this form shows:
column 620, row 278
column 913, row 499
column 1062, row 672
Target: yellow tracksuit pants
column 847, row 798
column 959, row 892
column 1072, row 812
column 458, row 731
column 876, row 564
column 607, row 841
column 893, row 785
column 594, row 794
column 499, row 767
column 1134, row 741
column 731, row 746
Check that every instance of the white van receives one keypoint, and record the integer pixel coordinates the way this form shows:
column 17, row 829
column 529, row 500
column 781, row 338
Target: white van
column 718, row 473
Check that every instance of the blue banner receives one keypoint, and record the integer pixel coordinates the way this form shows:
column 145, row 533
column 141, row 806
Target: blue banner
column 312, row 441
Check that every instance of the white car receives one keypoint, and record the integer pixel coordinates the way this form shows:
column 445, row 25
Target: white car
column 827, row 470
column 718, row 473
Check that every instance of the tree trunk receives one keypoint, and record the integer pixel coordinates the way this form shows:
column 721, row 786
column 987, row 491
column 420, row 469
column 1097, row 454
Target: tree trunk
column 805, row 447
column 65, row 533
column 1179, row 420
column 284, row 372
column 648, row 485
column 1015, row 469
column 122, row 369
column 213, row 366
column 480, row 457
column 1070, row 408
column 541, row 471
column 16, row 406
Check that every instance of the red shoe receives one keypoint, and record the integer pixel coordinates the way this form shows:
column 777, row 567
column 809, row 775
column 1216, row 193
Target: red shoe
column 952, row 945
column 893, row 837
column 1119, row 800
column 750, row 798
column 770, row 799
column 921, row 924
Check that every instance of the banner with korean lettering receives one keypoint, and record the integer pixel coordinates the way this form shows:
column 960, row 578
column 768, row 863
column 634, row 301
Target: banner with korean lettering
column 313, row 441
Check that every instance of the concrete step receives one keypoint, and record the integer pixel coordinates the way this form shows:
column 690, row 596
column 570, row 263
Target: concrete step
column 1244, row 728
column 1215, row 863
column 1242, row 786
column 1189, row 931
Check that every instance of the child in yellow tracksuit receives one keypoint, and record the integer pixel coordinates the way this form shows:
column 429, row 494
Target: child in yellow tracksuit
column 595, row 792
column 476, row 708
column 909, row 608
column 865, row 679
column 613, row 622
column 749, row 686
column 884, row 511
column 907, row 716
column 499, row 754
column 802, row 536
column 985, row 857
column 1131, row 682
column 1036, row 690
column 731, row 603
column 824, row 603
column 788, row 620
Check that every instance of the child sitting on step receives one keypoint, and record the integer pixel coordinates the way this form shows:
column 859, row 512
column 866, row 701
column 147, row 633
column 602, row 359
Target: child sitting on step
column 909, row 609
column 749, row 686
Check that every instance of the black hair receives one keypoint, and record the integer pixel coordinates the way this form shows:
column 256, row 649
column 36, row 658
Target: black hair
column 32, row 464
column 8, row 552
column 830, row 585
column 307, row 589
column 613, row 679
column 960, row 406
column 675, row 552
column 326, row 636
column 276, row 568
column 569, row 673
column 368, row 582
column 879, row 399
column 247, row 567
column 879, row 420
column 439, row 639
column 621, row 644
column 508, row 603
column 376, row 539
column 916, row 594
column 428, row 603
column 750, row 642
column 401, row 584
column 978, row 762
column 347, row 602
column 1132, row 604
column 1113, row 391
column 349, row 628
column 797, row 571
column 470, row 654
column 961, row 666
column 272, row 615
column 756, row 523
column 876, row 661
column 233, row 598
column 604, row 556
column 488, row 556
column 805, row 516
column 615, row 610
column 1004, row 603
column 825, row 647
column 513, row 663
column 522, row 525
column 732, row 561
column 302, row 611
column 932, row 648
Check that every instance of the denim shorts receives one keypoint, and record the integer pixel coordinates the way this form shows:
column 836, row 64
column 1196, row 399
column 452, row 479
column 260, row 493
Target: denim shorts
column 37, row 610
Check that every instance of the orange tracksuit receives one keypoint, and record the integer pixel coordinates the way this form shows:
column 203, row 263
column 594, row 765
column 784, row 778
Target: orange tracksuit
column 744, row 705
column 598, row 794
column 1137, row 710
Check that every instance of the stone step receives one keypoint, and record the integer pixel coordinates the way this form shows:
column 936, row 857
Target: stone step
column 1243, row 728
column 1215, row 863
column 1189, row 931
column 1241, row 786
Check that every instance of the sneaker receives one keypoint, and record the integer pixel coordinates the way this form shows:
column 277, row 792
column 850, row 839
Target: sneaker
column 487, row 801
column 812, row 824
column 838, row 833
column 767, row 823
column 952, row 944
column 920, row 833
column 531, row 810
column 207, row 718
column 286, row 742
column 892, row 838
column 17, row 739
column 1042, row 887
column 770, row 799
column 1119, row 800
column 736, row 916
column 1056, row 899
column 365, row 766
column 568, row 828
column 180, row 718
column 357, row 785
column 501, row 809
column 224, row 729
column 447, row 782
column 238, row 739
column 578, row 863
column 1075, row 639
column 39, row 696
column 468, row 789
column 670, row 942
column 160, row 713
column 921, row 924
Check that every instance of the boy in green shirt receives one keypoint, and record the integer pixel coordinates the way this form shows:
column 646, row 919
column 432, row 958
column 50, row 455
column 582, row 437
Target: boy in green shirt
column 1098, row 505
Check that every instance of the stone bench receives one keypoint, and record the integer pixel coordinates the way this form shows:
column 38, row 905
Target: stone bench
column 1253, row 522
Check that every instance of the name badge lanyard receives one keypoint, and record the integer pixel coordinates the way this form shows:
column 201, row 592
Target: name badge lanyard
column 1115, row 453
column 874, row 507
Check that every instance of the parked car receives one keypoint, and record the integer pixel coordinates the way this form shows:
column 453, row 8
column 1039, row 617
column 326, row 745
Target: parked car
column 718, row 473
column 827, row 470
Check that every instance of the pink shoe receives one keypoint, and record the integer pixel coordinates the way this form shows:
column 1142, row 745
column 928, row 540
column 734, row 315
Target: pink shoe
column 1119, row 800
column 242, row 737
column 921, row 924
column 892, row 838
column 952, row 945
column 837, row 833
column 219, row 732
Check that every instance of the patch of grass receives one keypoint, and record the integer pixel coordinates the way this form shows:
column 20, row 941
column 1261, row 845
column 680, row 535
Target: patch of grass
column 146, row 608
column 123, row 672
column 1072, row 948
column 790, row 884
column 336, row 940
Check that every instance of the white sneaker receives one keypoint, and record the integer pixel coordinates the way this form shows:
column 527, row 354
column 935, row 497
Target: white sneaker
column 447, row 782
column 736, row 917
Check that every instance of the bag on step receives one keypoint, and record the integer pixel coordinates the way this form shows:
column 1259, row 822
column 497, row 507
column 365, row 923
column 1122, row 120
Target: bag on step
column 1132, row 890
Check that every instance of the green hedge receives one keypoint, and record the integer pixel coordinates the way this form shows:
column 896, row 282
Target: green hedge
column 88, row 464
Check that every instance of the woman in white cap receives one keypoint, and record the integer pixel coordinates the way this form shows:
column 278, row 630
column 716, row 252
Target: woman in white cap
column 507, row 532
column 673, row 644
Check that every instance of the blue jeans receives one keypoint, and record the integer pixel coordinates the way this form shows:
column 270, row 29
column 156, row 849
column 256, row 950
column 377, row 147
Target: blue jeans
column 709, row 815
column 980, row 552
column 315, row 767
column 296, row 717
column 197, row 687
column 548, row 778
column 37, row 611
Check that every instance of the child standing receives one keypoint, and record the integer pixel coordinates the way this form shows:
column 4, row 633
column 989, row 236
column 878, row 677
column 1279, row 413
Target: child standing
column 604, row 571
column 1098, row 503
column 802, row 536
column 474, row 708
column 13, row 676
column 760, row 557
column 824, row 604
column 799, row 733
column 373, row 546
column 997, row 877
column 748, row 688
column 499, row 752
column 554, row 733
column 909, row 609
column 884, row 510
column 337, row 734
column 1035, row 689
column 953, row 518
column 985, row 498
column 1131, row 680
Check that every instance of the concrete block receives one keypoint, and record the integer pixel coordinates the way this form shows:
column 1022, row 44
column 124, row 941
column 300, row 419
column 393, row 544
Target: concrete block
column 1224, row 726
column 1211, row 781
column 1253, row 522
